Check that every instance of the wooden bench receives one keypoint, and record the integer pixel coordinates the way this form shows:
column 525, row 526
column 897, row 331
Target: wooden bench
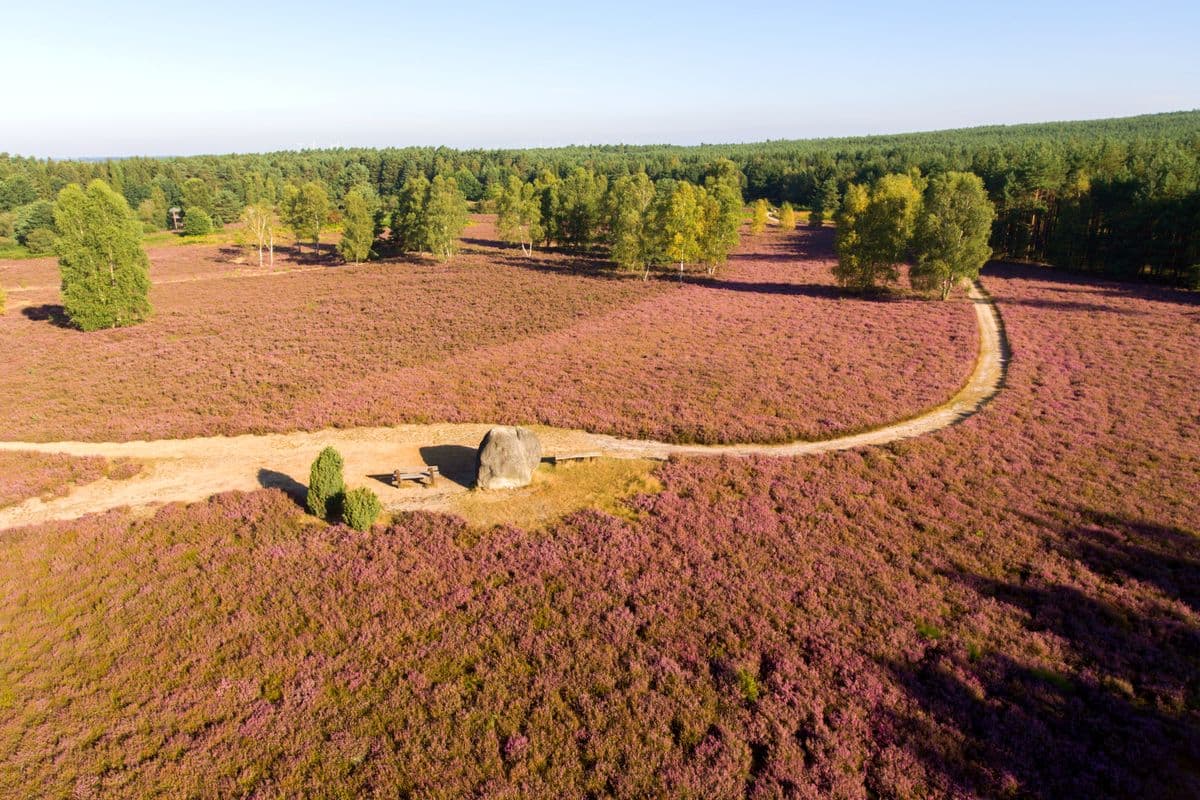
column 427, row 476
column 584, row 456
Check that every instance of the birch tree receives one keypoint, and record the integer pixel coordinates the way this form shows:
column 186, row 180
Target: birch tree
column 519, row 214
column 258, row 222
column 446, row 216
column 629, row 206
column 951, row 240
column 105, row 272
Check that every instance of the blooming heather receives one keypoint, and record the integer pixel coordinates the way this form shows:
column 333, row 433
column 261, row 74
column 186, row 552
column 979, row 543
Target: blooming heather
column 769, row 352
column 25, row 474
column 1009, row 607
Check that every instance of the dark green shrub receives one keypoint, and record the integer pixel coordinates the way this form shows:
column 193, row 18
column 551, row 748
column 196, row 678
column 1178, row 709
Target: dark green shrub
column 326, row 486
column 33, row 216
column 40, row 241
column 361, row 508
column 196, row 222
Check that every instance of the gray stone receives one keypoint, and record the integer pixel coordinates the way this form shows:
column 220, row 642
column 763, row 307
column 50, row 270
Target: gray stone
column 506, row 458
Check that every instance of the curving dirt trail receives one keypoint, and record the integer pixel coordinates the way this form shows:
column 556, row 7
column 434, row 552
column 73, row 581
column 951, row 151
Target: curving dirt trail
column 187, row 470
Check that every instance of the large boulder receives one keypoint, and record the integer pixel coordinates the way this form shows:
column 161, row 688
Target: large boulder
column 506, row 458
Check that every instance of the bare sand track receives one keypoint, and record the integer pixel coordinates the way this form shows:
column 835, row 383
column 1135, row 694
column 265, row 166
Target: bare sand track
column 185, row 470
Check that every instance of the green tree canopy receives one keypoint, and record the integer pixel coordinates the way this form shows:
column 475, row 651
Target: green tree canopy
column 874, row 233
column 630, row 204
column 361, row 507
column 304, row 210
column 827, row 203
column 680, row 224
column 951, row 239
column 787, row 217
column 519, row 214
column 198, row 194
column 723, row 233
column 446, row 216
column 580, row 203
column 326, row 486
column 547, row 186
column 196, row 222
column 758, row 218
column 358, row 224
column 258, row 226
column 409, row 230
column 38, row 214
column 105, row 272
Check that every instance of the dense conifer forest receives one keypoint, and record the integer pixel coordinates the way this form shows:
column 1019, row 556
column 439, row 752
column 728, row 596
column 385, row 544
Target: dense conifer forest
column 1116, row 197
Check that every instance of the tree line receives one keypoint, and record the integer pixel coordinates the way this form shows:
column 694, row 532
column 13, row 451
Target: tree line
column 642, row 223
column 1118, row 197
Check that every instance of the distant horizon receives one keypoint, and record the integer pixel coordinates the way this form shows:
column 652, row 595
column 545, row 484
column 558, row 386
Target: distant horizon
column 702, row 143
column 123, row 79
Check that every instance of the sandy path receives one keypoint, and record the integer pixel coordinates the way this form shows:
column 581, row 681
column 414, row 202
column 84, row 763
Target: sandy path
column 187, row 470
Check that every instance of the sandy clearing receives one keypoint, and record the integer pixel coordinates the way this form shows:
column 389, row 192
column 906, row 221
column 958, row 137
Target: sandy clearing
column 188, row 470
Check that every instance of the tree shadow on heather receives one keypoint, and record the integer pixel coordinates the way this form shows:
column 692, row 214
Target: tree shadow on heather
column 580, row 264
column 1074, row 305
column 1121, row 549
column 56, row 315
column 803, row 244
column 455, row 462
column 324, row 255
column 815, row 290
column 1118, row 715
column 1075, row 283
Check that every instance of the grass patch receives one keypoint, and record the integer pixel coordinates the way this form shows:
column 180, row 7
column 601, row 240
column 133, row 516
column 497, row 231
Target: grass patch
column 602, row 484
column 931, row 632
column 16, row 252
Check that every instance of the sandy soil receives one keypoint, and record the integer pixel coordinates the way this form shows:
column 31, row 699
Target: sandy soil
column 187, row 470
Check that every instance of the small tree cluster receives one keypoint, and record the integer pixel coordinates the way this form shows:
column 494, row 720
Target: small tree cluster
column 643, row 223
column 430, row 216
column 519, row 213
column 328, row 498
column 943, row 225
column 258, row 226
column 304, row 210
column 33, row 221
column 105, row 272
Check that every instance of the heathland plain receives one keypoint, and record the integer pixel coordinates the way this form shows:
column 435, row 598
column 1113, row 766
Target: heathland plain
column 1008, row 606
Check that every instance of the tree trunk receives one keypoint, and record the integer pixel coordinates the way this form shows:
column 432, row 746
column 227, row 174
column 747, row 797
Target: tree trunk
column 271, row 240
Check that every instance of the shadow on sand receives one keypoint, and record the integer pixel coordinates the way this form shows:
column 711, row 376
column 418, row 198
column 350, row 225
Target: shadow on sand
column 455, row 462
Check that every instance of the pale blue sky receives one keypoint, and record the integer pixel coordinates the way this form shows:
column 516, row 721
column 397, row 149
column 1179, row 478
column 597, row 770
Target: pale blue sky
column 125, row 78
